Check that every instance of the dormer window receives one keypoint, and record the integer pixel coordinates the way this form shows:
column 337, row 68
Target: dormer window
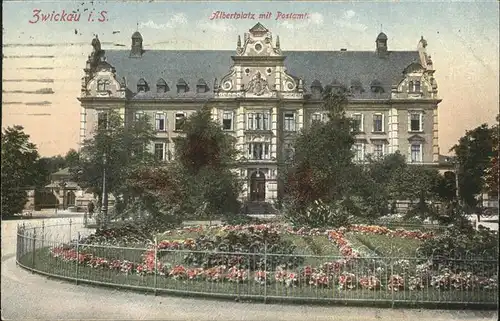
column 103, row 85
column 201, row 86
column 337, row 87
column 161, row 86
column 316, row 88
column 356, row 86
column 182, row 86
column 142, row 85
column 376, row 87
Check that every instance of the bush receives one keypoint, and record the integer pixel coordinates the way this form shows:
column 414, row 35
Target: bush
column 460, row 249
column 251, row 244
column 320, row 215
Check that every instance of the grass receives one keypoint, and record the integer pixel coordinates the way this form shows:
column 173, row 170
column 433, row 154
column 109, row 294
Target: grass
column 386, row 246
column 42, row 261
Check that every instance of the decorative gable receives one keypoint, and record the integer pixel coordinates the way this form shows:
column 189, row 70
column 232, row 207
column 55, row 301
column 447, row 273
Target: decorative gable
column 258, row 42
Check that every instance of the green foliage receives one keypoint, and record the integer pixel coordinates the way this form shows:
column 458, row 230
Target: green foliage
column 50, row 165
column 206, row 159
column 19, row 169
column 118, row 148
column 474, row 153
column 491, row 172
column 320, row 215
column 322, row 165
column 207, row 250
column 461, row 246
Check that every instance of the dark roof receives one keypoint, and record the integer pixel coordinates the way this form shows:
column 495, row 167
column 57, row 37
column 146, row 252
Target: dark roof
column 382, row 36
column 325, row 66
column 136, row 35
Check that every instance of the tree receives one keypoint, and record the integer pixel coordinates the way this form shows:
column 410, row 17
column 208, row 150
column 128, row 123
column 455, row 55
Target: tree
column 115, row 148
column 19, row 167
column 71, row 158
column 322, row 167
column 491, row 172
column 474, row 153
column 207, row 160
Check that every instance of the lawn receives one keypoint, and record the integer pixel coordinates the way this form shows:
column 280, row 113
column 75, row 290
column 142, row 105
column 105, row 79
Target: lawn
column 385, row 245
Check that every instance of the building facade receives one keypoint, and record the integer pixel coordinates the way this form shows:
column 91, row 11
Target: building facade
column 264, row 96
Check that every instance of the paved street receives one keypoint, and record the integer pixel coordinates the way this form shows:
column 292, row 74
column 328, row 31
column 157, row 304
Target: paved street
column 28, row 296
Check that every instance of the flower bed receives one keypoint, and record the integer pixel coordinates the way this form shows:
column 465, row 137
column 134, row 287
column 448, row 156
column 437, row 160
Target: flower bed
column 209, row 259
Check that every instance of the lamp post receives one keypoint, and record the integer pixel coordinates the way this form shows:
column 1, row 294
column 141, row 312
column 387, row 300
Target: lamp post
column 104, row 203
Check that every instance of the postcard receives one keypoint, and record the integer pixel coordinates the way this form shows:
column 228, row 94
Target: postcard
column 415, row 77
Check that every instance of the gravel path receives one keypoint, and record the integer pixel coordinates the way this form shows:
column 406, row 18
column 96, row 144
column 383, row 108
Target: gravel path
column 27, row 296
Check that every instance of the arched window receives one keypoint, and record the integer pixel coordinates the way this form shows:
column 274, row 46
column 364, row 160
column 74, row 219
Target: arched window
column 103, row 85
column 411, row 87
column 417, row 86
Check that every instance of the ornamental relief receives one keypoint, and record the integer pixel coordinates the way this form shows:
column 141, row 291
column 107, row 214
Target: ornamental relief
column 258, row 85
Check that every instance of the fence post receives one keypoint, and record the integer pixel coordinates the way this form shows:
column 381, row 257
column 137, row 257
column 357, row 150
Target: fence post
column 156, row 266
column 85, row 219
column 70, row 230
column 265, row 271
column 24, row 239
column 391, row 280
column 77, row 256
column 43, row 232
column 33, row 252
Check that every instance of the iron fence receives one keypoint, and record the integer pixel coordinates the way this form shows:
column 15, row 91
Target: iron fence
column 62, row 251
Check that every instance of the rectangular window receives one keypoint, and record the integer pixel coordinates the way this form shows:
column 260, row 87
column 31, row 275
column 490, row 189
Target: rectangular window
column 258, row 121
column 416, row 122
column 179, row 120
column 359, row 152
column 227, row 120
column 378, row 125
column 289, row 120
column 161, row 122
column 160, row 151
column 416, row 153
column 316, row 117
column 102, row 120
column 258, row 151
column 378, row 150
column 358, row 122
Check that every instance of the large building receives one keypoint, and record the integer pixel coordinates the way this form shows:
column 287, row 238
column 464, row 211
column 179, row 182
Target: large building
column 263, row 96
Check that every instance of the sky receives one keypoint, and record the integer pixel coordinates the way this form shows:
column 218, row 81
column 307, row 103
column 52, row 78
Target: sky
column 463, row 40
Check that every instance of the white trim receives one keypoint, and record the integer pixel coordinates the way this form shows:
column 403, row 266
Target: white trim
column 138, row 115
column 363, row 151
column 159, row 113
column 378, row 143
column 175, row 118
column 163, row 150
column 420, row 113
column 317, row 113
column 231, row 113
column 362, row 122
column 294, row 122
column 382, row 120
column 420, row 153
